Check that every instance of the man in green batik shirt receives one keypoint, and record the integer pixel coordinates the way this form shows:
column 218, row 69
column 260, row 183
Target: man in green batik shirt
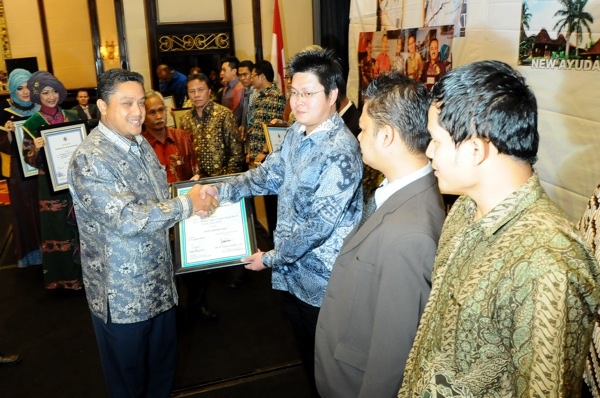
column 215, row 136
column 514, row 287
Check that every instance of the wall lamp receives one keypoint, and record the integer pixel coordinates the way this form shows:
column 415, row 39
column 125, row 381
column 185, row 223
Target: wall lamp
column 109, row 50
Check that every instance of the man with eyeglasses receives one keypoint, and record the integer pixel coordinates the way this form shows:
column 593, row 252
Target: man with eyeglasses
column 381, row 279
column 268, row 104
column 316, row 174
column 216, row 140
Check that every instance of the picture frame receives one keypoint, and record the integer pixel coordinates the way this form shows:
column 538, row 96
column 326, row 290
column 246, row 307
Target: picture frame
column 61, row 141
column 178, row 115
column 274, row 134
column 28, row 171
column 170, row 105
column 218, row 241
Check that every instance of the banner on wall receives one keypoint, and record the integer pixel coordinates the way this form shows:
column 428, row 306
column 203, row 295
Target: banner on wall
column 561, row 35
column 447, row 12
column 423, row 54
column 389, row 14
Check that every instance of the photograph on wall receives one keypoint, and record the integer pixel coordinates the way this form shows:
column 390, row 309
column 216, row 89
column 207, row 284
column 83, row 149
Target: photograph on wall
column 446, row 12
column 560, row 35
column 423, row 54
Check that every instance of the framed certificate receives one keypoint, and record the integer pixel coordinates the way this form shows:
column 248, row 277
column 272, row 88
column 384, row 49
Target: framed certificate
column 170, row 105
column 220, row 240
column 28, row 171
column 274, row 133
column 61, row 142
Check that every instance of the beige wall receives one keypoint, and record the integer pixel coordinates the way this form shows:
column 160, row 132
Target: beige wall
column 24, row 31
column 71, row 43
column 70, row 36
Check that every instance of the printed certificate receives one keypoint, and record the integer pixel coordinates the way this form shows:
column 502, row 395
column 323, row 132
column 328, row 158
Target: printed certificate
column 274, row 134
column 220, row 240
column 60, row 144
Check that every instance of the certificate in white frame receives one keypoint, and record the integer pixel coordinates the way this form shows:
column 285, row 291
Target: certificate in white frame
column 274, row 134
column 170, row 105
column 28, row 170
column 61, row 141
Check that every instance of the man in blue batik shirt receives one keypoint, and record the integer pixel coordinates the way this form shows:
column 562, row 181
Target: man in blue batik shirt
column 123, row 210
column 317, row 174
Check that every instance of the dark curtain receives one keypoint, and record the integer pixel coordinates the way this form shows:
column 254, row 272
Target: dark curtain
column 335, row 21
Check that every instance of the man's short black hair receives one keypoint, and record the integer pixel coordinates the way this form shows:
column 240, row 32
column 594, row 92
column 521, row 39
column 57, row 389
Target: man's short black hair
column 265, row 68
column 246, row 64
column 489, row 99
column 198, row 76
column 109, row 80
column 233, row 61
column 402, row 103
column 322, row 63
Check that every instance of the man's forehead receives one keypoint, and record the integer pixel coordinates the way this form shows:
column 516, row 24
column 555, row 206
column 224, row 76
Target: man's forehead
column 154, row 102
column 197, row 82
column 129, row 90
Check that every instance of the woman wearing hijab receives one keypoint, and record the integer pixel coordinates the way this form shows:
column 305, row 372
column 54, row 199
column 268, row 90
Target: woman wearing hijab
column 22, row 191
column 59, row 232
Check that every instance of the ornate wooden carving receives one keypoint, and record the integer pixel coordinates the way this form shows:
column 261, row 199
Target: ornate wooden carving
column 195, row 42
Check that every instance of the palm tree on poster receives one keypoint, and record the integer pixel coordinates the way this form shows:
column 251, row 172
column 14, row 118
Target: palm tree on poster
column 573, row 19
column 525, row 18
column 524, row 41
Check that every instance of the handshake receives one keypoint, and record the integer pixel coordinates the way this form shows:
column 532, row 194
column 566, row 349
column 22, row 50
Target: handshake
column 205, row 199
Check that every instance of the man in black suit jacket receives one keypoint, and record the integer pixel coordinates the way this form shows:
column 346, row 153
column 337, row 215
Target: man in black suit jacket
column 381, row 279
column 84, row 110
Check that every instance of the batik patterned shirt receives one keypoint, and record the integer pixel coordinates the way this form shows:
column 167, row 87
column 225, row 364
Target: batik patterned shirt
column 589, row 226
column 216, row 140
column 512, row 304
column 318, row 180
column 123, row 210
column 267, row 105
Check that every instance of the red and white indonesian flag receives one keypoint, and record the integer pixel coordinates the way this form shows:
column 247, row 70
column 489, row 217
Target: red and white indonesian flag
column 277, row 56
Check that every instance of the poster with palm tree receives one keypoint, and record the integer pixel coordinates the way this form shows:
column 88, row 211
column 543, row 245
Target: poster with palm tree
column 560, row 34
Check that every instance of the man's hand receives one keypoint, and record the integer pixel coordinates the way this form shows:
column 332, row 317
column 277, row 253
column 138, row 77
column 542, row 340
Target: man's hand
column 204, row 199
column 256, row 263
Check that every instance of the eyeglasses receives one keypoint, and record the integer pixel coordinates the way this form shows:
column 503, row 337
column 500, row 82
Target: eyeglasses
column 308, row 96
column 253, row 75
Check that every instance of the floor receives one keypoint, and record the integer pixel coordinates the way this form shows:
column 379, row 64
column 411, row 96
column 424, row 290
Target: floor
column 248, row 351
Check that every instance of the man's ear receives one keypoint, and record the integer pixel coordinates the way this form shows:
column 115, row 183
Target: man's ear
column 386, row 136
column 101, row 106
column 333, row 94
column 480, row 148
